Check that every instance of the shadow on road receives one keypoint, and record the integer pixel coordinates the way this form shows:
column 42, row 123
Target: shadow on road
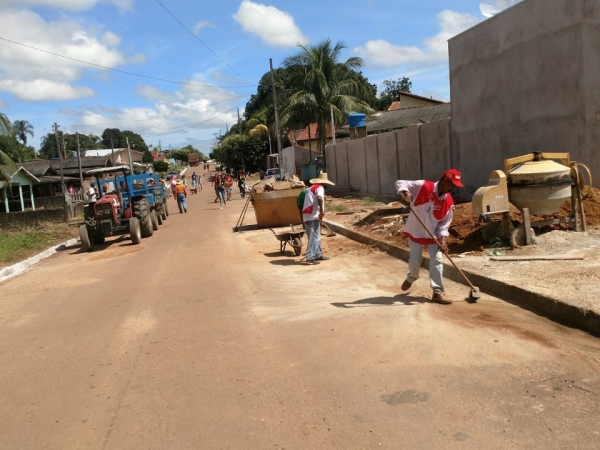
column 404, row 299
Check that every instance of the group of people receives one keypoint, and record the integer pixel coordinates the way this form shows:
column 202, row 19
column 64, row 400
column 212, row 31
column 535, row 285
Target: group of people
column 428, row 200
column 223, row 185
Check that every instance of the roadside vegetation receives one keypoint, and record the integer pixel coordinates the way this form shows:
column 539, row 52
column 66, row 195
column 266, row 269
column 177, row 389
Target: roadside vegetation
column 21, row 243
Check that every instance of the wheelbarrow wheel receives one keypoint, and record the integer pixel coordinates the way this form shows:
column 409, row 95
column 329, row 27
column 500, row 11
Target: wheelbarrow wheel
column 297, row 245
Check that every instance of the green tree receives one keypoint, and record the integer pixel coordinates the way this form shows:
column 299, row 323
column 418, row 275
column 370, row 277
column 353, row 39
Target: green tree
column 48, row 144
column 113, row 136
column 136, row 142
column 392, row 90
column 22, row 128
column 7, row 166
column 16, row 151
column 233, row 148
column 160, row 166
column 323, row 85
column 147, row 158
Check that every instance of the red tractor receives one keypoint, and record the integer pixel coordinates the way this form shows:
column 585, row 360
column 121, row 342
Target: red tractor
column 118, row 211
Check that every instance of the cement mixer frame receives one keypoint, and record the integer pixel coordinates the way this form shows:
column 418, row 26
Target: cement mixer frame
column 494, row 199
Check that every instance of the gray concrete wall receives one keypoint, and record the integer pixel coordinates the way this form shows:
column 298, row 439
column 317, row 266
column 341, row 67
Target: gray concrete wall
column 409, row 154
column 357, row 165
column 523, row 81
column 372, row 165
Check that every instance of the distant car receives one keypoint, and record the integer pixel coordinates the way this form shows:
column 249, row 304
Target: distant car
column 274, row 173
column 174, row 173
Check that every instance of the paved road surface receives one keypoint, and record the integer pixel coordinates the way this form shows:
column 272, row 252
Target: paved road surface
column 204, row 339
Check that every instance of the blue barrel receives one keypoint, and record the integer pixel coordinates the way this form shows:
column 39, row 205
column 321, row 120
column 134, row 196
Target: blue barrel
column 356, row 120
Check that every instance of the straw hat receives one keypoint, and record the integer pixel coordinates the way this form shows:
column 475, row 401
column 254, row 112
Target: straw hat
column 322, row 179
column 179, row 182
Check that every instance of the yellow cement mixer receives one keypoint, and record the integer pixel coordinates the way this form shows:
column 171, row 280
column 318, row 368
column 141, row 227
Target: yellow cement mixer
column 537, row 184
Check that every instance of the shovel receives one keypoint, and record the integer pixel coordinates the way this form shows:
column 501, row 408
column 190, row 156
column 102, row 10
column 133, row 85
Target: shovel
column 475, row 294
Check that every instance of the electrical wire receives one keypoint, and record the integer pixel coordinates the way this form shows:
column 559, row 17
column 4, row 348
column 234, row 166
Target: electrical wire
column 202, row 42
column 124, row 71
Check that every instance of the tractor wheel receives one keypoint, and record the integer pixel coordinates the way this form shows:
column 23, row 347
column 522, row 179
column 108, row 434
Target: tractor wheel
column 135, row 231
column 159, row 217
column 154, row 220
column 140, row 210
column 86, row 243
column 99, row 239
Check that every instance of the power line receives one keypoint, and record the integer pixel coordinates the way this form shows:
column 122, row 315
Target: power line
column 202, row 42
column 123, row 71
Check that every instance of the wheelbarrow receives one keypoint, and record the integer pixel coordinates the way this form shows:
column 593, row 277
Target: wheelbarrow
column 293, row 237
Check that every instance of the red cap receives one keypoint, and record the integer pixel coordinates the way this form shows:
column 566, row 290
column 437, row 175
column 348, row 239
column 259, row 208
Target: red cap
column 454, row 176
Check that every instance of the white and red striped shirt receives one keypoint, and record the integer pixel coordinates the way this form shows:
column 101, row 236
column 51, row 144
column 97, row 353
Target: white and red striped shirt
column 435, row 211
column 310, row 211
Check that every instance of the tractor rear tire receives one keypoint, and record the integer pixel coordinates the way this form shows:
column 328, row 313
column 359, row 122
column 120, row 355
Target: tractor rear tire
column 135, row 231
column 86, row 243
column 141, row 212
column 154, row 220
column 99, row 239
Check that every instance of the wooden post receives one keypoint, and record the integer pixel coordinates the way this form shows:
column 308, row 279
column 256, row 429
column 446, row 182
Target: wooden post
column 276, row 112
column 79, row 159
column 62, row 179
column 129, row 155
column 527, row 225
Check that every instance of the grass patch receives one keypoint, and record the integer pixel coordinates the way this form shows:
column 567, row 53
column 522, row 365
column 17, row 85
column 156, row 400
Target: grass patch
column 338, row 208
column 368, row 201
column 21, row 243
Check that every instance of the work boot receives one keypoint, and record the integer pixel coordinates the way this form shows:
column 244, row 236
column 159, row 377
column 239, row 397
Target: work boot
column 406, row 285
column 438, row 297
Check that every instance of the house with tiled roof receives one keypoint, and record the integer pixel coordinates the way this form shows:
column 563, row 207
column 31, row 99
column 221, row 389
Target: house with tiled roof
column 410, row 100
column 307, row 137
column 157, row 155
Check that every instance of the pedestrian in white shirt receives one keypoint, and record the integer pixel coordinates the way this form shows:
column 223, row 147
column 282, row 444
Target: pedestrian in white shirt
column 433, row 203
column 313, row 212
column 92, row 193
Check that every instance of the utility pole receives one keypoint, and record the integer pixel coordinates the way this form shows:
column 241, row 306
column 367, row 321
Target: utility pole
column 112, row 149
column 62, row 178
column 79, row 160
column 129, row 153
column 226, row 128
column 276, row 112
column 242, row 146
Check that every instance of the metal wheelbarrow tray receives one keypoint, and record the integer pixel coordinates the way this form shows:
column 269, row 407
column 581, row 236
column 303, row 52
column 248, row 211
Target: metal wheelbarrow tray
column 292, row 237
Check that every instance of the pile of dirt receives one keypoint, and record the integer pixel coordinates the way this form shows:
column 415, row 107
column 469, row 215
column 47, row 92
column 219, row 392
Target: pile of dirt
column 465, row 231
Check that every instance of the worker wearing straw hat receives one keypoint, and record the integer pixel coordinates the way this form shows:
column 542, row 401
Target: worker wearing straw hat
column 313, row 212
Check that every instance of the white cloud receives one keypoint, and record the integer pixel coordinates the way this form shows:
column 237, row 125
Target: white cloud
column 3, row 105
column 26, row 73
column 433, row 51
column 44, row 90
column 70, row 5
column 202, row 24
column 275, row 27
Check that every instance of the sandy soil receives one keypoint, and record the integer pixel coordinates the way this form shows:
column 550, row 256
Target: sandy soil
column 575, row 282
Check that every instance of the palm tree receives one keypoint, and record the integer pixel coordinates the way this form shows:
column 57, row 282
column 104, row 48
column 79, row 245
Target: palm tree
column 324, row 83
column 22, row 128
column 7, row 166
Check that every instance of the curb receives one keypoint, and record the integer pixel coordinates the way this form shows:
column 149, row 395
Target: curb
column 549, row 307
column 20, row 267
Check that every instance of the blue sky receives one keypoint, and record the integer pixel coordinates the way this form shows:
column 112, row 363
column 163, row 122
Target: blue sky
column 394, row 38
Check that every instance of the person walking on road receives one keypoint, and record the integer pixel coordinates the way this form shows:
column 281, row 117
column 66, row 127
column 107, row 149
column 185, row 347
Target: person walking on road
column 242, row 183
column 220, row 190
column 313, row 212
column 229, row 186
column 181, row 195
column 433, row 203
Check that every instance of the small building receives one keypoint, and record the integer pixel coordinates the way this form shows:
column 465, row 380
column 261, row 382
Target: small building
column 19, row 196
column 121, row 155
column 307, row 137
column 410, row 100
column 294, row 157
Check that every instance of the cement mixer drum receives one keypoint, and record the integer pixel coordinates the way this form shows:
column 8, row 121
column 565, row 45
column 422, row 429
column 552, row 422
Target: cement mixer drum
column 542, row 186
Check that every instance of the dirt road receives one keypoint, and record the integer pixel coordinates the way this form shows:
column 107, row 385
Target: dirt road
column 204, row 339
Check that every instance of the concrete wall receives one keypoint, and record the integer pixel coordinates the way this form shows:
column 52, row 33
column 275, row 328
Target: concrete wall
column 372, row 165
column 523, row 81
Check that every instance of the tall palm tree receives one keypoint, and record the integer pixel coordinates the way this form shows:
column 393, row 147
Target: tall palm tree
column 7, row 166
column 22, row 128
column 324, row 83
